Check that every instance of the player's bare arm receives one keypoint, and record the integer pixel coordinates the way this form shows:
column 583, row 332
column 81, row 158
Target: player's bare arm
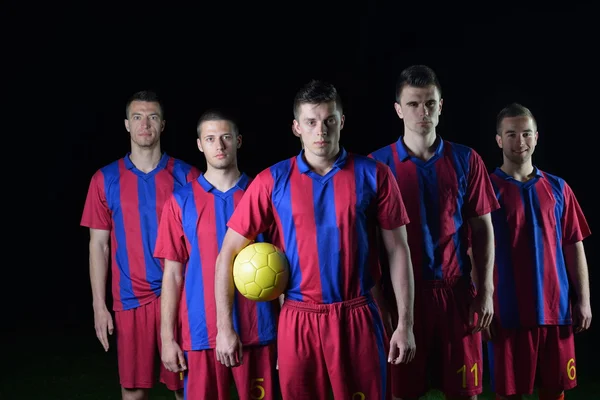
column 99, row 256
column 482, row 240
column 229, row 346
column 402, row 342
column 172, row 355
column 578, row 273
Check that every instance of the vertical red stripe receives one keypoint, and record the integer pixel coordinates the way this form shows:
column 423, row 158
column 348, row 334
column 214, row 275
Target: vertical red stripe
column 208, row 254
column 246, row 312
column 133, row 235
column 344, row 189
column 303, row 213
column 550, row 294
column 406, row 176
column 447, row 179
column 521, row 257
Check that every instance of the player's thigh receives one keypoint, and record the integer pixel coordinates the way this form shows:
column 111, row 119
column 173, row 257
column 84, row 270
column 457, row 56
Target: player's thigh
column 136, row 349
column 513, row 355
column 356, row 350
column 256, row 378
column 302, row 372
column 205, row 377
column 411, row 380
column 462, row 350
column 557, row 368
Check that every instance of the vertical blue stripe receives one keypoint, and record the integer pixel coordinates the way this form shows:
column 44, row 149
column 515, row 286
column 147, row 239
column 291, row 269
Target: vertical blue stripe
column 194, row 281
column 461, row 168
column 491, row 366
column 507, row 292
column 149, row 229
column 267, row 327
column 378, row 324
column 282, row 200
column 113, row 194
column 224, row 206
column 185, row 378
column 429, row 199
column 365, row 176
column 561, row 267
column 532, row 208
column 328, row 239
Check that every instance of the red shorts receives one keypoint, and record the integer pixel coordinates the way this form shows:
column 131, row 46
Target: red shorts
column 206, row 378
column 138, row 343
column 342, row 344
column 448, row 356
column 521, row 358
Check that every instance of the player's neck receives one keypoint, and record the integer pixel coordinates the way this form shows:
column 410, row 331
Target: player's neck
column 145, row 159
column 321, row 165
column 222, row 179
column 520, row 172
column 421, row 146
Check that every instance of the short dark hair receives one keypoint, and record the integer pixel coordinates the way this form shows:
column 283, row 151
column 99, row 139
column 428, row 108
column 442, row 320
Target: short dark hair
column 419, row 76
column 147, row 96
column 513, row 110
column 317, row 92
column 216, row 114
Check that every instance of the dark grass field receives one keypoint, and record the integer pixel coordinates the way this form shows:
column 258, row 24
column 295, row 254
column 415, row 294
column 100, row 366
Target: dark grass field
column 64, row 363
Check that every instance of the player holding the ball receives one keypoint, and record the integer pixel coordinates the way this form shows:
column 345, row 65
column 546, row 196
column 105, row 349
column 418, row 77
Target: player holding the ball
column 327, row 205
column 191, row 230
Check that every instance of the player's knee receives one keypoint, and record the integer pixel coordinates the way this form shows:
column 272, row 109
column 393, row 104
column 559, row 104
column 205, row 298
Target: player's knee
column 134, row 394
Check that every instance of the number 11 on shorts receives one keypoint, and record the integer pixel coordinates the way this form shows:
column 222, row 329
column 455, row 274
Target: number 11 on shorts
column 474, row 371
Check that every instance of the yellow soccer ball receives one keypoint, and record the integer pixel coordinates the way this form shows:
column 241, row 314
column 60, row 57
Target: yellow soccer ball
column 261, row 271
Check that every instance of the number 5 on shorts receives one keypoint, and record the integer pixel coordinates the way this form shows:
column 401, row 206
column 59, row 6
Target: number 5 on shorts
column 257, row 391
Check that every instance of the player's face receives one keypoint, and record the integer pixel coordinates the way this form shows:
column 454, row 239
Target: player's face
column 144, row 123
column 219, row 143
column 318, row 126
column 517, row 139
column 420, row 109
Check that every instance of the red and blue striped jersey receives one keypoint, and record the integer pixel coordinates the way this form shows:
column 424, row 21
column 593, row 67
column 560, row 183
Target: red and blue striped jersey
column 325, row 224
column 128, row 203
column 536, row 219
column 440, row 194
column 191, row 232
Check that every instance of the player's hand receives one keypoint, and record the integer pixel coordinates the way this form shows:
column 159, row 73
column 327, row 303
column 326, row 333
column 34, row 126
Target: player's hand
column 229, row 348
column 103, row 323
column 172, row 357
column 402, row 346
column 483, row 306
column 582, row 316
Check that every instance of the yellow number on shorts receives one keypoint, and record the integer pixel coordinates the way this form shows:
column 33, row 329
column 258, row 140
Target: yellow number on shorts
column 474, row 371
column 256, row 387
column 571, row 371
column 358, row 396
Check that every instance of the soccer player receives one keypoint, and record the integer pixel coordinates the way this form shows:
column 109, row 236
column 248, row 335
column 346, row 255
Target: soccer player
column 122, row 211
column 326, row 204
column 446, row 189
column 541, row 276
column 190, row 236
